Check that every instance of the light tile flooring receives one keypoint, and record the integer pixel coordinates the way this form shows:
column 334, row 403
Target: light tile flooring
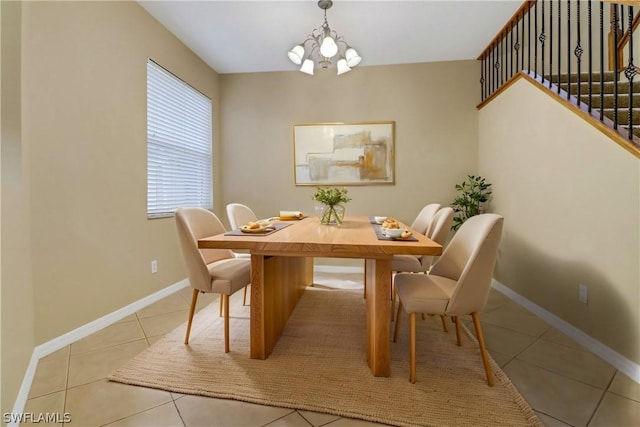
column 563, row 382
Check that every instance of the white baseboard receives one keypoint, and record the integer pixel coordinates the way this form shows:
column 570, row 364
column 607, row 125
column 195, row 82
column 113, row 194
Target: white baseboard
column 84, row 331
column 626, row 366
column 344, row 269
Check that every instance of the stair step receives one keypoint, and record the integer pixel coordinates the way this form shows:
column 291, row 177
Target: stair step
column 623, row 100
column 636, row 130
column 623, row 116
column 608, row 76
column 623, row 87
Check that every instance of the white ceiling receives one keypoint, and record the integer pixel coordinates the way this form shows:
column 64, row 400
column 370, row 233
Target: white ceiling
column 255, row 36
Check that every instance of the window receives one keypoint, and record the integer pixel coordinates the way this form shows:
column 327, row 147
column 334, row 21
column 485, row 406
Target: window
column 178, row 144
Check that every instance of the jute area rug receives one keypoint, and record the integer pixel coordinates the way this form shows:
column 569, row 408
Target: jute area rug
column 319, row 364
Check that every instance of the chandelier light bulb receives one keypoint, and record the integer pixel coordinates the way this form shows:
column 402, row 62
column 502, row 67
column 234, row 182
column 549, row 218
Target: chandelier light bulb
column 307, row 67
column 343, row 67
column 296, row 54
column 352, row 57
column 328, row 48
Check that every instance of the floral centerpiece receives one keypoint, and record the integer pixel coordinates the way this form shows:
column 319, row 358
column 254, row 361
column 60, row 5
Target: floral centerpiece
column 331, row 210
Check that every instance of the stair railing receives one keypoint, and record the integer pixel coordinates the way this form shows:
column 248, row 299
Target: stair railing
column 546, row 39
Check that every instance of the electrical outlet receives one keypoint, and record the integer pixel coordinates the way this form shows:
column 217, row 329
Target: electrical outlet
column 154, row 266
column 583, row 294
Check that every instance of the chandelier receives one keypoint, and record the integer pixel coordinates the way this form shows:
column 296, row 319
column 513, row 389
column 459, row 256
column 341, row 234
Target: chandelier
column 323, row 44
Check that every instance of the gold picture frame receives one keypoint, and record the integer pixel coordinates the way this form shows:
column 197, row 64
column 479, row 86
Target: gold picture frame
column 358, row 153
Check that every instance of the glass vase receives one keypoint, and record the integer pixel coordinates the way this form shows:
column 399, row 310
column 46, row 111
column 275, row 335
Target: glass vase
column 330, row 214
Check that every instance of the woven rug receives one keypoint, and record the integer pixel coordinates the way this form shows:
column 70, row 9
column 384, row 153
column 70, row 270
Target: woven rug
column 319, row 364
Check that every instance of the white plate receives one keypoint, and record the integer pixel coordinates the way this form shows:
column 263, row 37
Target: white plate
column 265, row 225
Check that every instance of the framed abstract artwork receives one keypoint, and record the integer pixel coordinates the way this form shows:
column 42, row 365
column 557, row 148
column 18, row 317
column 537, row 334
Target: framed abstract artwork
column 360, row 153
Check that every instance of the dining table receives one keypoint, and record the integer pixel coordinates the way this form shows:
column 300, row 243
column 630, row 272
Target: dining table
column 282, row 268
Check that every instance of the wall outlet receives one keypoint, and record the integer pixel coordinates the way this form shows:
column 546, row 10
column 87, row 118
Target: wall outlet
column 583, row 294
column 154, row 266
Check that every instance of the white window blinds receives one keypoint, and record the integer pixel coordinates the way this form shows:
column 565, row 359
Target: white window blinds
column 178, row 144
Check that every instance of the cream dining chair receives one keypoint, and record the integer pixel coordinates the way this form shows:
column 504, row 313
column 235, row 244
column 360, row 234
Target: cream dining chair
column 457, row 284
column 238, row 215
column 209, row 270
column 438, row 231
column 424, row 217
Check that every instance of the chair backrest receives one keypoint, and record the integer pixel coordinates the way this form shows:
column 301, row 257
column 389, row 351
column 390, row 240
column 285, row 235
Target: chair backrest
column 469, row 259
column 438, row 231
column 440, row 225
column 194, row 224
column 425, row 216
column 239, row 215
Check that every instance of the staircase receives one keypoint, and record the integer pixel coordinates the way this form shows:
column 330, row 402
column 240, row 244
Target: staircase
column 608, row 97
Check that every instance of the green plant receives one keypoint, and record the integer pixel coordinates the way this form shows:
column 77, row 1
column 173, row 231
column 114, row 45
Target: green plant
column 332, row 211
column 331, row 196
column 473, row 193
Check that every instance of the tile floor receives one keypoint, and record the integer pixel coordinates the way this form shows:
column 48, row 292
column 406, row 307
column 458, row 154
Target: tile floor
column 563, row 382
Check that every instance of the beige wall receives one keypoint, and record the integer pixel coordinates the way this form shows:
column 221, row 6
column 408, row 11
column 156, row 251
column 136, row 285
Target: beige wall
column 432, row 104
column 16, row 294
column 571, row 201
column 84, row 132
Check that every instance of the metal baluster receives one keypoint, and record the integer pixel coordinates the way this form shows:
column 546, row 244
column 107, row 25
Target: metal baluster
column 510, row 50
column 541, row 38
column 601, row 60
column 559, row 47
column 569, row 49
column 589, row 26
column 578, row 51
column 551, row 43
column 482, row 79
column 616, row 73
column 502, row 59
column 630, row 72
column 529, row 39
column 522, row 37
column 535, row 42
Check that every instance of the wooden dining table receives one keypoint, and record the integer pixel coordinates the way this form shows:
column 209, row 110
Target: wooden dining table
column 282, row 267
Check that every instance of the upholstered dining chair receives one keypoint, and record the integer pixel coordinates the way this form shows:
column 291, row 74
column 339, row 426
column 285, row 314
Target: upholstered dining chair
column 209, row 270
column 457, row 284
column 421, row 222
column 239, row 215
column 438, row 231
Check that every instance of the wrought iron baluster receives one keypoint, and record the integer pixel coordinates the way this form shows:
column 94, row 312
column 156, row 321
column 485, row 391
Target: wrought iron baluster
column 569, row 50
column 551, row 43
column 578, row 51
column 510, row 50
column 542, row 38
column 616, row 73
column 589, row 26
column 535, row 42
column 630, row 72
column 482, row 79
column 502, row 59
column 601, row 60
column 560, row 48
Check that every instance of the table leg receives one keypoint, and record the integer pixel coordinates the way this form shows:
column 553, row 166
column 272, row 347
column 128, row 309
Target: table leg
column 378, row 286
column 276, row 286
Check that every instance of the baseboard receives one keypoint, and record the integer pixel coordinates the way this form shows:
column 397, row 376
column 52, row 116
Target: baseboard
column 626, row 366
column 84, row 331
column 338, row 269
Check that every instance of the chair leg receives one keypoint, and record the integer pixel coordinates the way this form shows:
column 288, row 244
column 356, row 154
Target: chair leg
column 456, row 320
column 194, row 299
column 244, row 296
column 395, row 332
column 393, row 301
column 226, row 323
column 221, row 304
column 412, row 348
column 483, row 349
column 444, row 323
